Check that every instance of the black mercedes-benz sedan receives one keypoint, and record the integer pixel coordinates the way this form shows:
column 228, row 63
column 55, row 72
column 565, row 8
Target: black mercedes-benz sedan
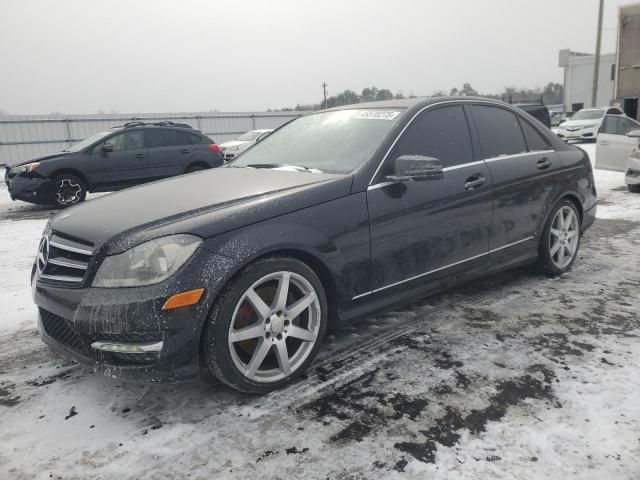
column 240, row 270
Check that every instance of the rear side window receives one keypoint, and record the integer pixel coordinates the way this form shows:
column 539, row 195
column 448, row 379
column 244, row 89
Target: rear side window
column 535, row 141
column 193, row 138
column 499, row 131
column 162, row 138
column 442, row 133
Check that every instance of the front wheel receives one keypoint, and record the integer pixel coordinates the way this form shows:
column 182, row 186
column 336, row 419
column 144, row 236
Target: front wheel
column 266, row 326
column 560, row 240
column 69, row 190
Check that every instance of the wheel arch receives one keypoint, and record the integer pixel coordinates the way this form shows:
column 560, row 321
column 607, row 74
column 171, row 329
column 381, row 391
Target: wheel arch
column 71, row 171
column 197, row 163
column 574, row 197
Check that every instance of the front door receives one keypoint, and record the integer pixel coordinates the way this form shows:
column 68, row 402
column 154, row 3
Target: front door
column 124, row 166
column 422, row 230
column 613, row 146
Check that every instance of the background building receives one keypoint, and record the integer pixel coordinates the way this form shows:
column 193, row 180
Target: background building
column 628, row 59
column 578, row 79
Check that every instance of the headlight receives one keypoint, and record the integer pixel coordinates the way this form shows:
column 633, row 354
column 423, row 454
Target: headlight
column 30, row 167
column 235, row 147
column 148, row 263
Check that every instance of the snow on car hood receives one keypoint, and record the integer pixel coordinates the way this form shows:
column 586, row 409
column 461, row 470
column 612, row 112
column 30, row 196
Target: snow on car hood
column 203, row 203
column 38, row 159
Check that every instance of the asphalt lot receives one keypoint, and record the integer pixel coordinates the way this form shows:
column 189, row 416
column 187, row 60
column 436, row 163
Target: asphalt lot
column 514, row 376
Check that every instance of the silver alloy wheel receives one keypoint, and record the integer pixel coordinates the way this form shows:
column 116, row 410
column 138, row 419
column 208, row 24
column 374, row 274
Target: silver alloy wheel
column 68, row 192
column 281, row 331
column 564, row 237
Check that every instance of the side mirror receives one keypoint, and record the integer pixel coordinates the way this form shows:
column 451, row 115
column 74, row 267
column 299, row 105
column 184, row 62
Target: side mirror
column 634, row 133
column 417, row 168
column 107, row 148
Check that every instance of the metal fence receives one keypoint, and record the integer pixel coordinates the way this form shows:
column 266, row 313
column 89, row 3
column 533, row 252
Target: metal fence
column 23, row 137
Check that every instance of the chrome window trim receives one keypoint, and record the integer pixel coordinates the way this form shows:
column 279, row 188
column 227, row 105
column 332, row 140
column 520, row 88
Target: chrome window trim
column 446, row 102
column 415, row 277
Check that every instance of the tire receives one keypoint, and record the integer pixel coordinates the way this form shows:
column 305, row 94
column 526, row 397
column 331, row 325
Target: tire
column 253, row 361
column 195, row 168
column 69, row 190
column 560, row 241
column 634, row 188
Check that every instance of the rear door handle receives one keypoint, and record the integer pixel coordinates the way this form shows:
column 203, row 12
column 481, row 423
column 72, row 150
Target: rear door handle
column 140, row 155
column 474, row 182
column 185, row 150
column 602, row 142
column 543, row 163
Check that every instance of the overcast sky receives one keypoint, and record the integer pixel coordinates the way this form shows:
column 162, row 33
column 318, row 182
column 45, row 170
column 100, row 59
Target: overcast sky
column 80, row 56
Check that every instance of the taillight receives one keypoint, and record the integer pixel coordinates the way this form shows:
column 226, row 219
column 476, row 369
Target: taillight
column 215, row 148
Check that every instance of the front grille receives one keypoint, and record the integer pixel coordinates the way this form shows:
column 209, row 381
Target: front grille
column 66, row 263
column 62, row 332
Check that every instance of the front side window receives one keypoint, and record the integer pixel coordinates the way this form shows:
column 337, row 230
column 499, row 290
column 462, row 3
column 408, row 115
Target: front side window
column 441, row 133
column 123, row 141
column 499, row 131
column 333, row 142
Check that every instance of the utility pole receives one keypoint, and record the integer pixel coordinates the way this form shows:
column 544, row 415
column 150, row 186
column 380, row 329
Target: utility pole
column 596, row 66
column 324, row 90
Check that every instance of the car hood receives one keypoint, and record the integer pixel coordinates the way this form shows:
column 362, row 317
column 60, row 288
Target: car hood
column 50, row 156
column 234, row 143
column 203, row 203
column 579, row 123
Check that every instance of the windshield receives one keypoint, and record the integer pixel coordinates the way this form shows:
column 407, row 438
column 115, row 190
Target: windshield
column 87, row 141
column 333, row 142
column 588, row 115
column 249, row 136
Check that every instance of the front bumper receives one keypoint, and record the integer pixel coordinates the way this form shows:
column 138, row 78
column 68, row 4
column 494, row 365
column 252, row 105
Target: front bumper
column 30, row 189
column 71, row 320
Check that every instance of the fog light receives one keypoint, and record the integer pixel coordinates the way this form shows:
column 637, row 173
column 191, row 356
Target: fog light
column 127, row 347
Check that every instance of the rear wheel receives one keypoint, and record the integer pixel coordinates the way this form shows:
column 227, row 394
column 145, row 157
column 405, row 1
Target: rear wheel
column 266, row 326
column 560, row 240
column 634, row 188
column 69, row 190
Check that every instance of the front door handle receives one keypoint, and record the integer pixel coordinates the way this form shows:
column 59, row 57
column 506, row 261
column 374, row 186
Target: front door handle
column 602, row 142
column 185, row 150
column 140, row 155
column 543, row 163
column 474, row 182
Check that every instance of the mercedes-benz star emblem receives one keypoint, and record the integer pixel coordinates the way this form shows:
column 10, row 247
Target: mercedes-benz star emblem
column 43, row 254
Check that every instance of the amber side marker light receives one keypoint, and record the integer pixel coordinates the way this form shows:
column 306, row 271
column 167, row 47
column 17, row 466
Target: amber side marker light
column 183, row 299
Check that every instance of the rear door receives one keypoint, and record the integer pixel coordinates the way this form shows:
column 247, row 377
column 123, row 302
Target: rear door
column 432, row 228
column 170, row 152
column 613, row 145
column 525, row 171
column 126, row 165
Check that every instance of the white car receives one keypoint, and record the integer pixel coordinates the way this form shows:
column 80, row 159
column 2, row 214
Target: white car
column 618, row 148
column 584, row 124
column 235, row 147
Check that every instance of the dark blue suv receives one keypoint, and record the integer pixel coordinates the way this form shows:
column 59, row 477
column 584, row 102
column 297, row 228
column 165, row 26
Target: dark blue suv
column 129, row 155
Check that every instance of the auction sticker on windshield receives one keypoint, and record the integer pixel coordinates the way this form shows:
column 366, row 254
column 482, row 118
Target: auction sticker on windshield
column 378, row 114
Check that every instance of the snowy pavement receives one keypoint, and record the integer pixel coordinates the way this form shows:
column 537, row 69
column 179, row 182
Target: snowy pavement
column 514, row 376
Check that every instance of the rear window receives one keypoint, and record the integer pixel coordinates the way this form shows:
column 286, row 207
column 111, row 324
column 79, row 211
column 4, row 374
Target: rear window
column 499, row 131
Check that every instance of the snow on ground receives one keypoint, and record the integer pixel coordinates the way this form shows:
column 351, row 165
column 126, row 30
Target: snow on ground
column 515, row 376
